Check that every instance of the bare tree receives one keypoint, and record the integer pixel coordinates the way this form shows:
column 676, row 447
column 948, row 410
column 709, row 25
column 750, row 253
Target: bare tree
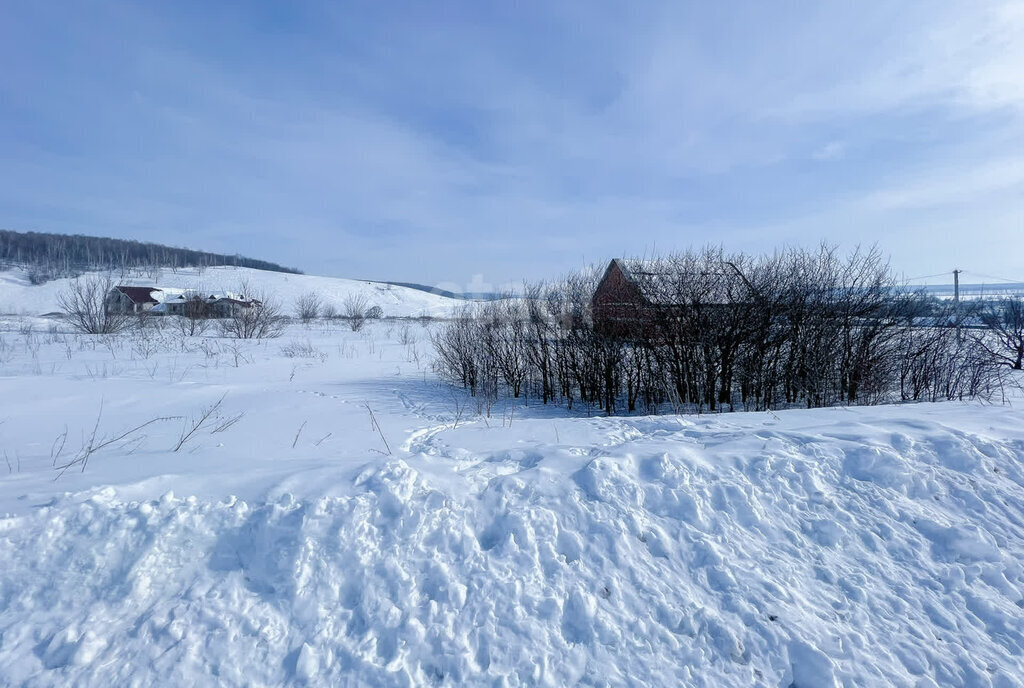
column 86, row 307
column 354, row 310
column 195, row 314
column 257, row 316
column 308, row 307
column 1004, row 341
column 504, row 324
column 456, row 346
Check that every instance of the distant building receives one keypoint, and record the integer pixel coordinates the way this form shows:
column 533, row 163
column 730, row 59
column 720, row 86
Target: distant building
column 618, row 301
column 210, row 306
column 123, row 299
column 634, row 298
column 627, row 300
column 229, row 306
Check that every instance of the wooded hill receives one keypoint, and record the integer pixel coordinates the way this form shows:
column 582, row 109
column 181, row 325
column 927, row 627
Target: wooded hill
column 49, row 256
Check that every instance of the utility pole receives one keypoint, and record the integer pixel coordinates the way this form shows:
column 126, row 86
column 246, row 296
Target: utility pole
column 956, row 303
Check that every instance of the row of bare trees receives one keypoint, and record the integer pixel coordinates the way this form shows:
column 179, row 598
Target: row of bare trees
column 807, row 328
column 356, row 309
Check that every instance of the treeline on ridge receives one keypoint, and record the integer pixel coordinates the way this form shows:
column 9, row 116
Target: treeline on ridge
column 50, row 256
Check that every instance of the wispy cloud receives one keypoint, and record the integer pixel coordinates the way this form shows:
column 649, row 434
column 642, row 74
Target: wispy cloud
column 951, row 185
column 509, row 140
column 833, row 150
column 955, row 57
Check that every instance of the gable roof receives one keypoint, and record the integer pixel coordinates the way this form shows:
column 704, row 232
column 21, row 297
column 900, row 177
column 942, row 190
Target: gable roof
column 663, row 284
column 138, row 295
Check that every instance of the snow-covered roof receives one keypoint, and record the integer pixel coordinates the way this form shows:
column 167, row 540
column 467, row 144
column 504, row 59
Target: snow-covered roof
column 208, row 298
column 138, row 294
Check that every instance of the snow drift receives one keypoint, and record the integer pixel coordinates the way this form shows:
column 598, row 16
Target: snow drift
column 859, row 548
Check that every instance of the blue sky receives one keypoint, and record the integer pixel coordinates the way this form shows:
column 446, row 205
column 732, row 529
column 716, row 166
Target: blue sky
column 437, row 141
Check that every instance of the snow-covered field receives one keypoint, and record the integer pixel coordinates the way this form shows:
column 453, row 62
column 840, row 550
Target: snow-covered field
column 341, row 518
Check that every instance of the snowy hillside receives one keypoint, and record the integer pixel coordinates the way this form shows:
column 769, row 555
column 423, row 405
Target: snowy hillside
column 19, row 296
column 341, row 518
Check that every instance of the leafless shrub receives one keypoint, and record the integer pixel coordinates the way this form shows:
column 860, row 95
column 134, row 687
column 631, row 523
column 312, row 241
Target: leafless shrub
column 145, row 344
column 258, row 318
column 143, row 319
column 30, row 339
column 85, row 307
column 196, row 423
column 405, row 336
column 354, row 310
column 238, row 356
column 226, row 423
column 58, row 446
column 308, row 307
column 460, row 406
column 95, row 443
column 195, row 314
column 6, row 351
column 458, row 352
column 1004, row 339
column 297, row 349
column 376, row 426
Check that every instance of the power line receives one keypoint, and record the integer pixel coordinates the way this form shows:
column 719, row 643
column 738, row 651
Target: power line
column 995, row 277
column 968, row 272
column 940, row 274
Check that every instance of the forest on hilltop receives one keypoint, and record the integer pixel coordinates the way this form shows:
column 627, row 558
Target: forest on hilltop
column 50, row 256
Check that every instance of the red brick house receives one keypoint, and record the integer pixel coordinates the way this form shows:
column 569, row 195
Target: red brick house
column 623, row 303
column 635, row 298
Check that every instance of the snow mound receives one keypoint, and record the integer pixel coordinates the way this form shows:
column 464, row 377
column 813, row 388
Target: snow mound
column 661, row 553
